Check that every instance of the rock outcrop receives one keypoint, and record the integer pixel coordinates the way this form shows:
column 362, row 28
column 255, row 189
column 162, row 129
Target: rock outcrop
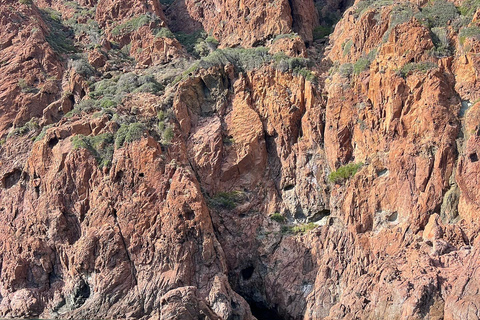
column 139, row 181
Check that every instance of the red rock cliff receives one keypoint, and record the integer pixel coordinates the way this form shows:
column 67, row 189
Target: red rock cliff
column 150, row 170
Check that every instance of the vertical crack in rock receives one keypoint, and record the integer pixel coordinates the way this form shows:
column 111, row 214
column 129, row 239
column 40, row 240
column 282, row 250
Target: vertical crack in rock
column 132, row 264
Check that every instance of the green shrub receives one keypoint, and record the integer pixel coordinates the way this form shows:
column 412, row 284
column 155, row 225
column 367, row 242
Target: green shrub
column 110, row 92
column 164, row 33
column 438, row 13
column 133, row 24
column 189, row 40
column 227, row 200
column 253, row 58
column 361, row 65
column 27, row 2
column 43, row 132
column 107, row 103
column 401, row 13
column 469, row 7
column 212, row 40
column 441, row 41
column 363, row 6
column 416, row 67
column 299, row 229
column 285, row 36
column 321, row 32
column 100, row 146
column 161, row 115
column 168, row 135
column 83, row 68
column 31, row 125
column 346, row 70
column 25, row 87
column 346, row 47
column 278, row 218
column 468, row 32
column 128, row 133
column 59, row 36
column 345, row 172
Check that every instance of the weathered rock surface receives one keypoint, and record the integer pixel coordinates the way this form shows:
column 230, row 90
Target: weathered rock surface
column 251, row 22
column 208, row 195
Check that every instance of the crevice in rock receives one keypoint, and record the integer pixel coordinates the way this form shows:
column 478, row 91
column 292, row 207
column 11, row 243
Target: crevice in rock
column 392, row 217
column 274, row 164
column 263, row 312
column 11, row 178
column 52, row 142
column 319, row 215
column 132, row 264
column 473, row 157
column 80, row 294
column 247, row 272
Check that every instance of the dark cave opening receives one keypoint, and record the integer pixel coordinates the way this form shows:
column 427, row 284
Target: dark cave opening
column 247, row 272
column 263, row 312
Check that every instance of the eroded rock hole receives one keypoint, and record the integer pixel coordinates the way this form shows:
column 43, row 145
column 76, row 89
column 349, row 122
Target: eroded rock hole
column 393, row 217
column 10, row 179
column 262, row 312
column 473, row 157
column 319, row 215
column 382, row 173
column 52, row 142
column 80, row 293
column 189, row 213
column 289, row 187
column 247, row 272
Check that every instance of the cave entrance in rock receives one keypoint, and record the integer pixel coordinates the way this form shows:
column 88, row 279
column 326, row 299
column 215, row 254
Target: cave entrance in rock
column 263, row 312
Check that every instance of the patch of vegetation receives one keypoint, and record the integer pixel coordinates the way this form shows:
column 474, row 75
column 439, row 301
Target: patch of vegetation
column 108, row 93
column 253, row 58
column 411, row 67
column 278, row 217
column 321, row 32
column 85, row 30
column 438, row 13
column 100, row 146
column 128, row 133
column 365, row 5
column 164, row 33
column 27, row 2
column 344, row 172
column 25, row 87
column 31, row 125
column 204, row 47
column 43, row 132
column 346, row 47
column 133, row 24
column 299, row 229
column 167, row 135
column 469, row 7
column 362, row 64
column 345, row 70
column 401, row 13
column 285, row 36
column 190, row 40
column 86, row 106
column 227, row 200
column 83, row 68
column 468, row 32
column 59, row 36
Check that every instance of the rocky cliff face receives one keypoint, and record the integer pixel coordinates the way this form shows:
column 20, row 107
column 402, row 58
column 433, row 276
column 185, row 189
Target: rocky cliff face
column 224, row 160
